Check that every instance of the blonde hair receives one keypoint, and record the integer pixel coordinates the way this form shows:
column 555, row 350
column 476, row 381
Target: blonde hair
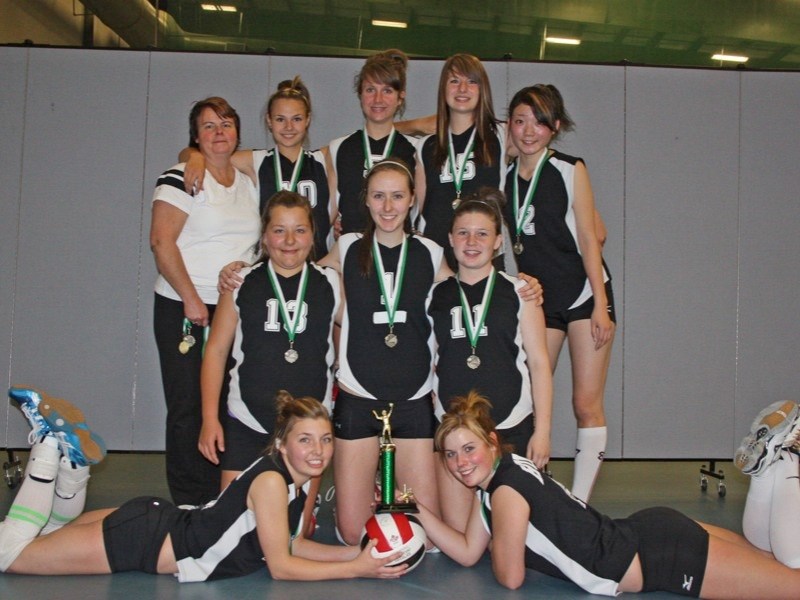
column 471, row 412
column 291, row 89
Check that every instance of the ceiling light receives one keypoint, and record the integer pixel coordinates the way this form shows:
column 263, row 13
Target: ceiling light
column 396, row 24
column 561, row 40
column 218, row 7
column 730, row 58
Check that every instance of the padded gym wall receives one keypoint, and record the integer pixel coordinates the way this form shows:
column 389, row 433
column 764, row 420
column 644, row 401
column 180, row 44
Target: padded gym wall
column 693, row 171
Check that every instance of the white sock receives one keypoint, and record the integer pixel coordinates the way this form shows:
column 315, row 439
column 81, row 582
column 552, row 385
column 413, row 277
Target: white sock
column 589, row 453
column 70, row 496
column 757, row 507
column 34, row 501
column 784, row 526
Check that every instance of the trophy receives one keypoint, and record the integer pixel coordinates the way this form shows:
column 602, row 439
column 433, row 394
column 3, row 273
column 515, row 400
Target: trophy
column 388, row 504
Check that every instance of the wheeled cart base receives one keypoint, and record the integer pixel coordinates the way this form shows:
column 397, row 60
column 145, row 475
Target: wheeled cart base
column 711, row 471
column 12, row 470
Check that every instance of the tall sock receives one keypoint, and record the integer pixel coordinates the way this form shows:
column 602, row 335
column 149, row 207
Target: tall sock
column 757, row 507
column 784, row 526
column 31, row 508
column 589, row 453
column 70, row 496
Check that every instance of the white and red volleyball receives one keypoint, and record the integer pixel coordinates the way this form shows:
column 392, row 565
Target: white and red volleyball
column 396, row 532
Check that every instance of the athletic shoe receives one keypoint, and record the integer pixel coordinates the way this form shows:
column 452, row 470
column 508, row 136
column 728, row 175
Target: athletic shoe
column 28, row 400
column 792, row 440
column 78, row 443
column 761, row 447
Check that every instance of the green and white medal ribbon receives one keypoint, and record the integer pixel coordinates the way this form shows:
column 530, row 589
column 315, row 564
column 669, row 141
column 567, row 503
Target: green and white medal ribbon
column 474, row 327
column 289, row 323
column 391, row 301
column 459, row 168
column 276, row 163
column 520, row 212
column 387, row 148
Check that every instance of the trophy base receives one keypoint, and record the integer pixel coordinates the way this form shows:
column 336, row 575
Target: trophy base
column 397, row 507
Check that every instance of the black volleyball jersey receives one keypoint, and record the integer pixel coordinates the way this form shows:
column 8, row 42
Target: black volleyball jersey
column 549, row 234
column 312, row 183
column 440, row 189
column 503, row 375
column 261, row 341
column 220, row 539
column 367, row 366
column 566, row 538
column 349, row 163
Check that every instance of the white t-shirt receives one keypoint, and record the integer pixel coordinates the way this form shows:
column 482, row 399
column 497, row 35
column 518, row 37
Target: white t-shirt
column 223, row 226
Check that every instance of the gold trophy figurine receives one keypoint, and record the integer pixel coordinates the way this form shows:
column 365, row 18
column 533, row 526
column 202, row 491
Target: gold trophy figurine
column 387, row 453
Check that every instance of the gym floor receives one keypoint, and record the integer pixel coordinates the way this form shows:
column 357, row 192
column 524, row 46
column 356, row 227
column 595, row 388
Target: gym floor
column 623, row 487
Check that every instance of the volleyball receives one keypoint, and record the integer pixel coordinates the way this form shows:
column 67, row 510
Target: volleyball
column 396, row 532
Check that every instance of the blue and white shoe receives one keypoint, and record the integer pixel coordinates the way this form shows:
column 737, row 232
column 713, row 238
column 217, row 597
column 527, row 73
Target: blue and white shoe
column 762, row 446
column 28, row 401
column 78, row 443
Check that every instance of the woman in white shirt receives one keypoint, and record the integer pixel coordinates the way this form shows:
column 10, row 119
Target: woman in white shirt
column 192, row 237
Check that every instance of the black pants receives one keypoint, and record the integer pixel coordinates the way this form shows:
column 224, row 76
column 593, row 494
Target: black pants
column 190, row 477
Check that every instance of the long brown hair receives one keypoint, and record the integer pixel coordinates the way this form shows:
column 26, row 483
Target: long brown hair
column 470, row 66
column 290, row 410
column 397, row 165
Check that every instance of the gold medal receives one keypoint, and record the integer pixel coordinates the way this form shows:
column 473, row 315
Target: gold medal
column 291, row 355
column 473, row 361
column 186, row 343
column 390, row 340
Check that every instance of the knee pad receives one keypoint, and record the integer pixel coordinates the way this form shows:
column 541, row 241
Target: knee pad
column 70, row 480
column 43, row 462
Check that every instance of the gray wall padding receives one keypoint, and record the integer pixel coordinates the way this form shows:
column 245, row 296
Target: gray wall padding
column 695, row 172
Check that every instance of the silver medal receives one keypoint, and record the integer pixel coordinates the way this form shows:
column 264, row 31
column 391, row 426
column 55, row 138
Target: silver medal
column 390, row 340
column 455, row 203
column 473, row 362
column 189, row 339
column 291, row 355
column 518, row 248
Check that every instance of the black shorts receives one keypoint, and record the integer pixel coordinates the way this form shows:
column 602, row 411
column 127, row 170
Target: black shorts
column 562, row 318
column 353, row 418
column 518, row 436
column 242, row 445
column 134, row 533
column 673, row 550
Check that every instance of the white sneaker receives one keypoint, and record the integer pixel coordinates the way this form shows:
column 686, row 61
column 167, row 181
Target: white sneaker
column 762, row 446
column 792, row 440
